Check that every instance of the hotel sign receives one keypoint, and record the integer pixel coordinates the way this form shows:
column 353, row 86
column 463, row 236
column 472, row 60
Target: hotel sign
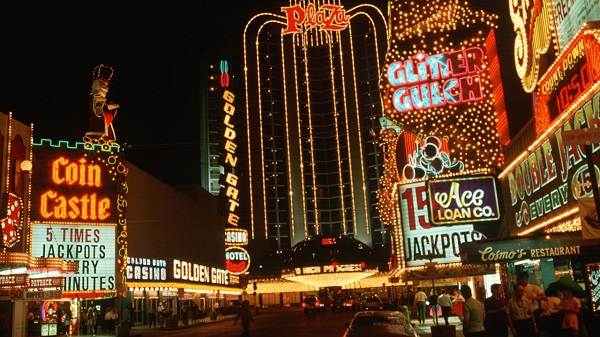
column 460, row 200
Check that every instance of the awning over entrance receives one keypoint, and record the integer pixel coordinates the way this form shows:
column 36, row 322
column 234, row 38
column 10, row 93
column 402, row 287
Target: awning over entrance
column 523, row 248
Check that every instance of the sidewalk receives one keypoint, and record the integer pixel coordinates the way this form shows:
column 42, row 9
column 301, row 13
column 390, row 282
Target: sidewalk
column 425, row 329
column 145, row 331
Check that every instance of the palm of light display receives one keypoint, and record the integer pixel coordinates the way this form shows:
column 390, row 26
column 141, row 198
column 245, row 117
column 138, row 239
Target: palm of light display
column 439, row 85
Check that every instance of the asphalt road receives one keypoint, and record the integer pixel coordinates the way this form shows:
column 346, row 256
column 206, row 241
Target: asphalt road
column 285, row 322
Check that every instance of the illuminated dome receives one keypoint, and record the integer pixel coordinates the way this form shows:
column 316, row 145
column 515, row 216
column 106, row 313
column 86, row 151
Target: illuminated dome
column 324, row 249
column 322, row 260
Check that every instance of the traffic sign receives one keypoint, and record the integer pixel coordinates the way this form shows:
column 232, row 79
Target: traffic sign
column 583, row 136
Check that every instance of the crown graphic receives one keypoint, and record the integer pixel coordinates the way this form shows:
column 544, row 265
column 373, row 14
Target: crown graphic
column 103, row 71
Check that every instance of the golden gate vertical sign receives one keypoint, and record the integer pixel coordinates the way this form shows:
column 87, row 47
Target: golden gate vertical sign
column 237, row 260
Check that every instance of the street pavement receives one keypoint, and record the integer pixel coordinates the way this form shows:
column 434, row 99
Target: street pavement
column 424, row 330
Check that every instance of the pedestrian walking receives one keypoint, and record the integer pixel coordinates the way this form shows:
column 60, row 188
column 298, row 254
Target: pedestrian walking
column 152, row 317
column 420, row 298
column 91, row 321
column 520, row 314
column 445, row 302
column 533, row 293
column 246, row 316
column 161, row 315
column 496, row 323
column 473, row 314
column 457, row 304
column 433, row 305
column 571, row 306
column 83, row 317
column 552, row 314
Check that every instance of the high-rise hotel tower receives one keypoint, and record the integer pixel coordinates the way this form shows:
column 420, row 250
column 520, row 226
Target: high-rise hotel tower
column 312, row 103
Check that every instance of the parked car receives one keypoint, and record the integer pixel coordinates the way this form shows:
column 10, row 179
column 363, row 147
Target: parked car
column 380, row 323
column 372, row 303
column 312, row 304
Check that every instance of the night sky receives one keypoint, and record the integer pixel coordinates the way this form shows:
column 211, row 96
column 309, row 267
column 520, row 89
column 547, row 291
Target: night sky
column 48, row 50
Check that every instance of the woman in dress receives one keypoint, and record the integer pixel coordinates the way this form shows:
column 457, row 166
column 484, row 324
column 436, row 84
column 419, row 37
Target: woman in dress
column 458, row 301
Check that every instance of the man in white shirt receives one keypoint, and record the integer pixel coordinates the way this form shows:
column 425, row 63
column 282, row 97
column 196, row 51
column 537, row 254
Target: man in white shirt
column 534, row 293
column 445, row 302
column 420, row 298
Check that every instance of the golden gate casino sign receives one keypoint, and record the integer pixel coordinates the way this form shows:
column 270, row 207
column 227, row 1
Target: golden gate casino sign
column 237, row 259
column 77, row 205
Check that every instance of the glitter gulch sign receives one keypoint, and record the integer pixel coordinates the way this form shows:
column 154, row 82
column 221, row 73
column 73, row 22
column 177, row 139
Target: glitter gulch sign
column 430, row 81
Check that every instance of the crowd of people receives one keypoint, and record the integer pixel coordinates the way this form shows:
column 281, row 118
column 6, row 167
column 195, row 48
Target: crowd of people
column 529, row 312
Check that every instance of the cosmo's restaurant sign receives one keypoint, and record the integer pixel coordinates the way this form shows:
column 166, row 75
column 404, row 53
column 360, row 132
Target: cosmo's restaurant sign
column 506, row 250
column 421, row 239
column 74, row 184
column 460, row 200
column 547, row 181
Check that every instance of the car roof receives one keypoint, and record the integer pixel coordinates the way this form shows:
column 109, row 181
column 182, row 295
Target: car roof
column 372, row 299
column 378, row 313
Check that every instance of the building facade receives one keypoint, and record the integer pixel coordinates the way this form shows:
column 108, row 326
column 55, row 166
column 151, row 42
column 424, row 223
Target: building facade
column 312, row 104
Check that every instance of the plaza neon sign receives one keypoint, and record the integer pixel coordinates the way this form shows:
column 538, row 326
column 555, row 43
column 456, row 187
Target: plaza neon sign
column 328, row 17
column 430, row 81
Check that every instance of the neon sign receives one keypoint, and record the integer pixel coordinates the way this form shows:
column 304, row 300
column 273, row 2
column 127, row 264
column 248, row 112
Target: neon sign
column 236, row 236
column 463, row 200
column 421, row 239
column 569, row 78
column 237, row 260
column 551, row 176
column 429, row 81
column 146, row 269
column 194, row 272
column 74, row 185
column 532, row 24
column 328, row 17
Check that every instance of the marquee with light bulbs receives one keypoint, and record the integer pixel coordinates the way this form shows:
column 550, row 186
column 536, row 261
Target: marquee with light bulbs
column 78, row 204
column 443, row 97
